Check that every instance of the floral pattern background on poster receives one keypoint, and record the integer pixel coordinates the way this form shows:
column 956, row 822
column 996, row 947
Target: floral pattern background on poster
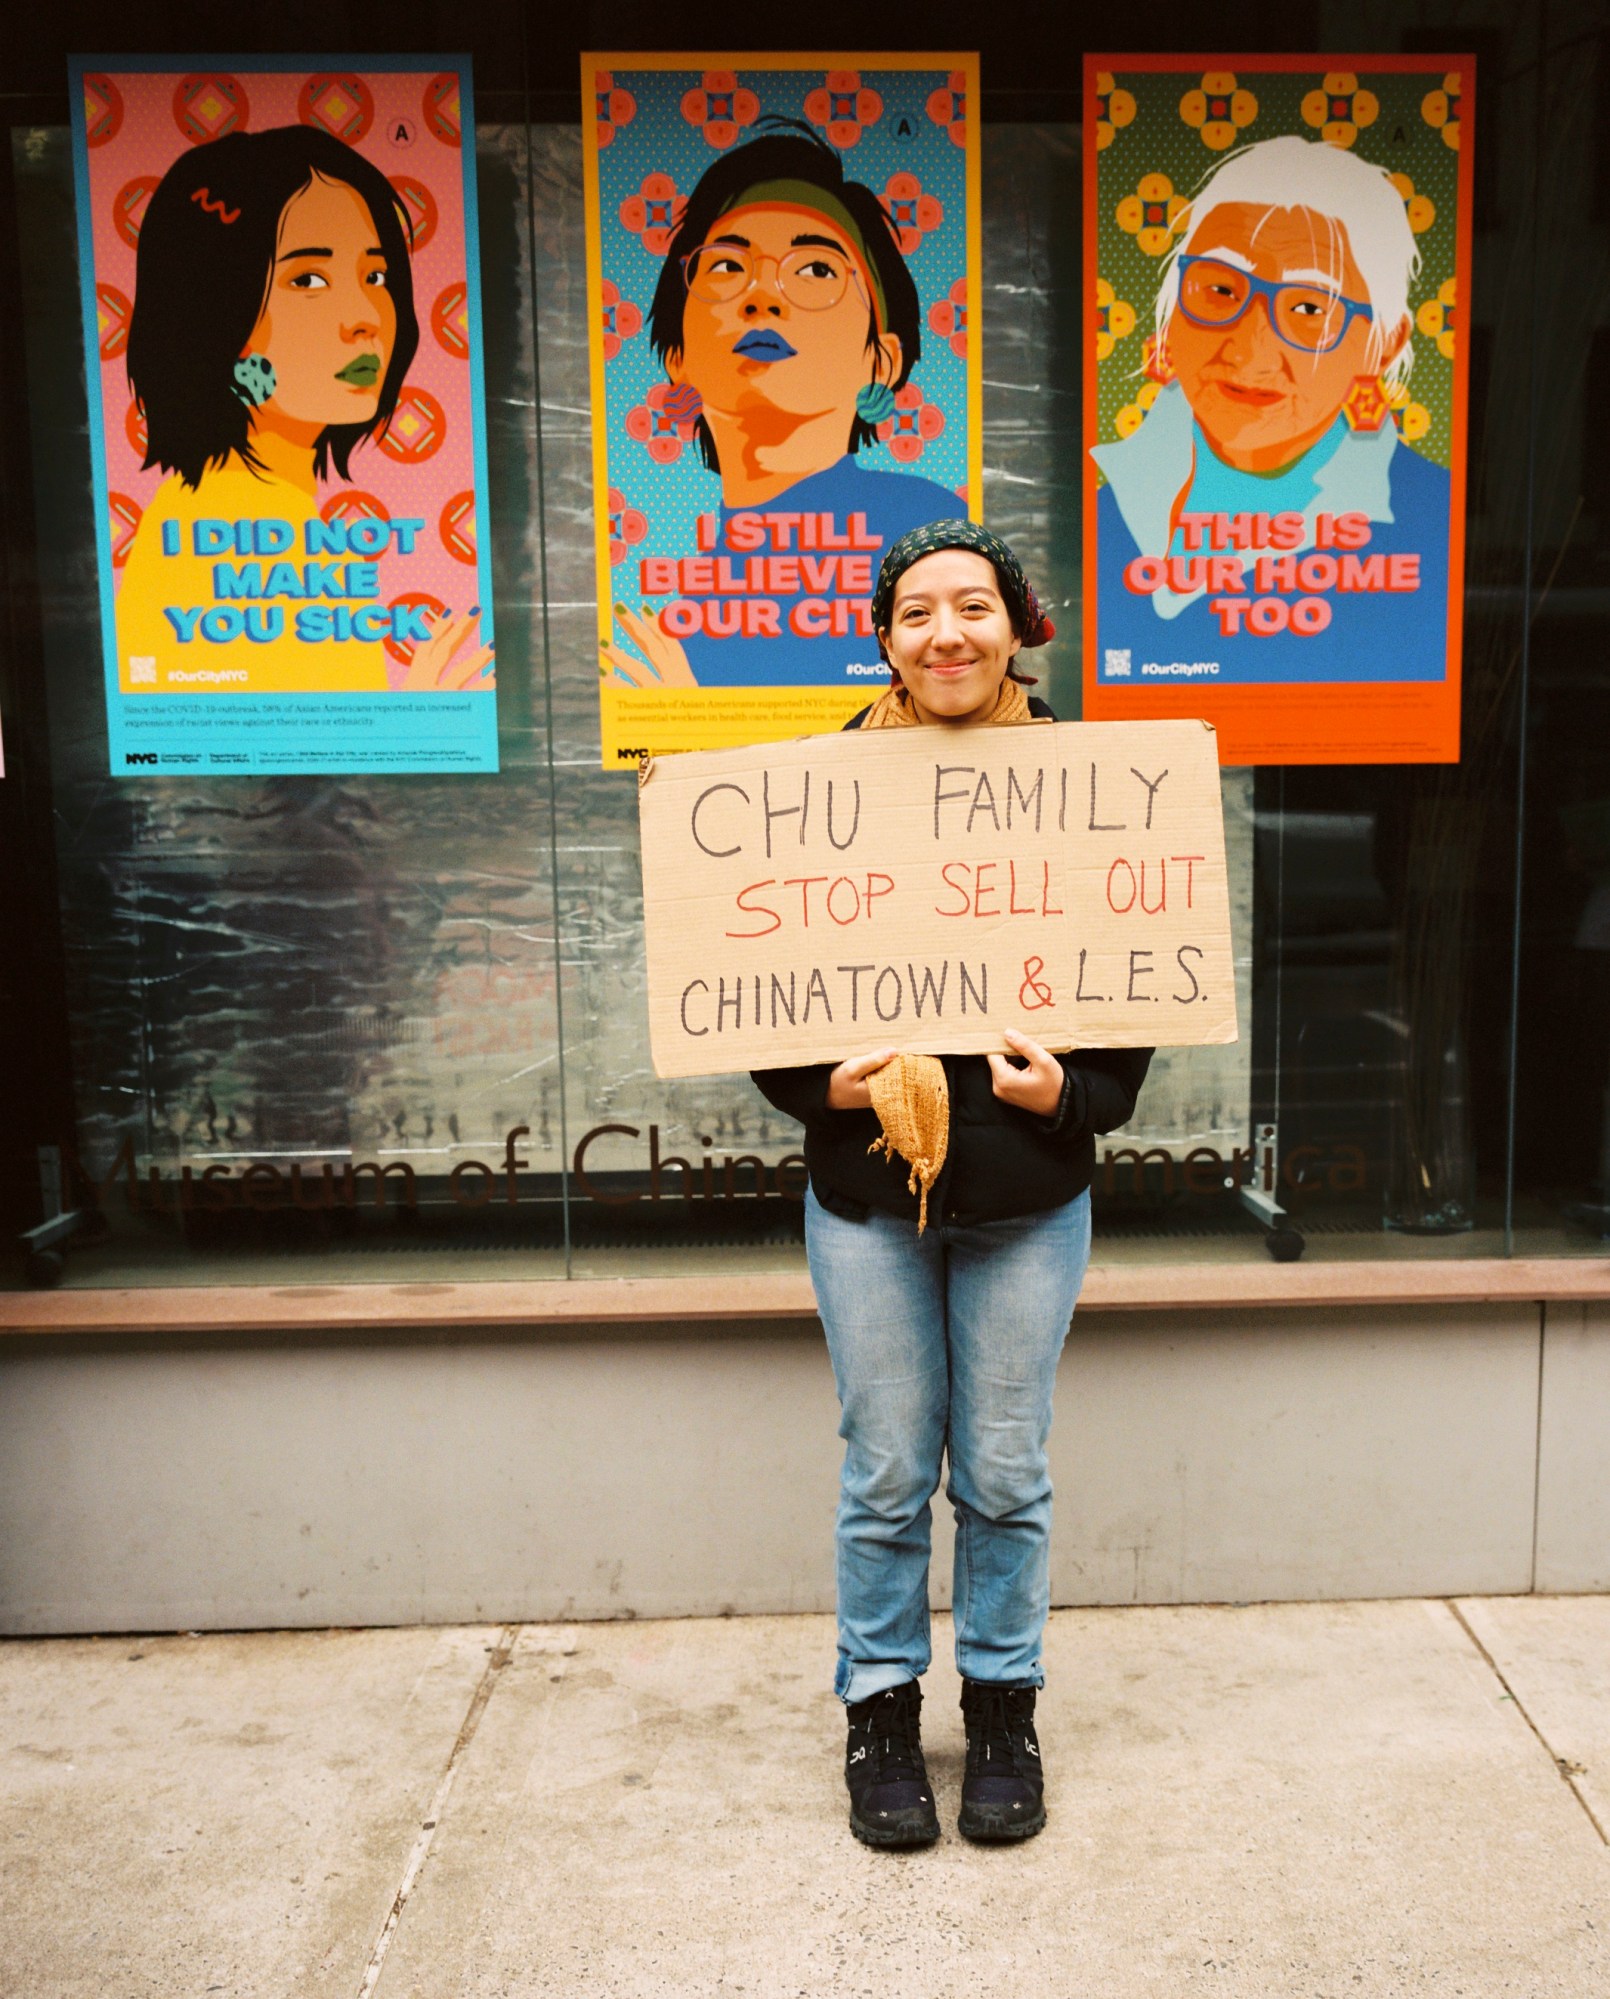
column 1164, row 138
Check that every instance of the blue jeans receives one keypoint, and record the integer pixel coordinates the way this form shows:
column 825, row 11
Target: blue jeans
column 944, row 1343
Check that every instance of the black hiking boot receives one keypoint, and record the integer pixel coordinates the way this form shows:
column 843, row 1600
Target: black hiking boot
column 1003, row 1792
column 891, row 1800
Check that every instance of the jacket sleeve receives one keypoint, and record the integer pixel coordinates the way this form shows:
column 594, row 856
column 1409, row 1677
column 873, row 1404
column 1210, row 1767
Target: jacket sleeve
column 798, row 1093
column 1103, row 1087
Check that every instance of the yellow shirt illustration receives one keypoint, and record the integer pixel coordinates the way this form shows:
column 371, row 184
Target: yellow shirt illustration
column 250, row 630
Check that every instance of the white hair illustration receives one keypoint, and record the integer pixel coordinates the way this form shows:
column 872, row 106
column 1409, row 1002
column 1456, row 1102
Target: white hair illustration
column 1342, row 192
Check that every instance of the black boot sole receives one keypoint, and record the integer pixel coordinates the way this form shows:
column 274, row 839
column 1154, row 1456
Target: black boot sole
column 996, row 1829
column 890, row 1836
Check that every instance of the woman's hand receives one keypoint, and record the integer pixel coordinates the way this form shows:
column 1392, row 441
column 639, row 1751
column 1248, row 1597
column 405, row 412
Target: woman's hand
column 1037, row 1087
column 434, row 669
column 667, row 657
column 847, row 1086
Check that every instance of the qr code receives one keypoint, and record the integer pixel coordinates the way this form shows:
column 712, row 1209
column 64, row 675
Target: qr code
column 142, row 672
column 1117, row 663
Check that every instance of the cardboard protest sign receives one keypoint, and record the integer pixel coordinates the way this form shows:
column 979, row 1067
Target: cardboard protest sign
column 928, row 888
column 784, row 275
column 1277, row 272
column 280, row 283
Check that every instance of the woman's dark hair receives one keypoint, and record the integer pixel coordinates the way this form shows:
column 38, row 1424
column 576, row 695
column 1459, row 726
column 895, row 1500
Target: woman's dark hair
column 206, row 256
column 789, row 151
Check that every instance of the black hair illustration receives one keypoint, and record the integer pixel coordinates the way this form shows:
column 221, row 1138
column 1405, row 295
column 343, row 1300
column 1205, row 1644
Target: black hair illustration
column 789, row 150
column 202, row 272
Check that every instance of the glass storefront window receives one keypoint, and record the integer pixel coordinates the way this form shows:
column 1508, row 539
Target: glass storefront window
column 358, row 1028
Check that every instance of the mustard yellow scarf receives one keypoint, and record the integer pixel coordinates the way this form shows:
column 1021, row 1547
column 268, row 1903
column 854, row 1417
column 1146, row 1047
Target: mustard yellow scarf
column 909, row 1093
column 890, row 712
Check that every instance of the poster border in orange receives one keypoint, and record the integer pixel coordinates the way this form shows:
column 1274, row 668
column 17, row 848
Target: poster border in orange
column 1325, row 722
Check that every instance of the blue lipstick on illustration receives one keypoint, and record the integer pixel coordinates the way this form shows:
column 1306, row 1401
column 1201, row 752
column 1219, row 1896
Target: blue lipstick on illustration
column 764, row 344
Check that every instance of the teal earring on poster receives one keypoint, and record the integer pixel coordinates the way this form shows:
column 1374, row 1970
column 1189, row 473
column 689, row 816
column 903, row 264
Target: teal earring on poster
column 875, row 403
column 255, row 380
column 683, row 403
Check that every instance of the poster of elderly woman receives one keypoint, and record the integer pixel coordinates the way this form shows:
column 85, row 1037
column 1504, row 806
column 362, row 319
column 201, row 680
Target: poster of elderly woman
column 783, row 268
column 1276, row 265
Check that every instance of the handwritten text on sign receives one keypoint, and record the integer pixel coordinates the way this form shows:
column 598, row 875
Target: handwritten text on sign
column 928, row 888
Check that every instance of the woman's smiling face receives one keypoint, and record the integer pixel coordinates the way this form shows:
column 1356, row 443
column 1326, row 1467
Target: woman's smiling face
column 328, row 323
column 1260, row 401
column 950, row 636
column 764, row 348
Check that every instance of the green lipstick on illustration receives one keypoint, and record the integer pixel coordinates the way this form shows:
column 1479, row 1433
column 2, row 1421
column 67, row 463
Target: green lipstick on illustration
column 362, row 373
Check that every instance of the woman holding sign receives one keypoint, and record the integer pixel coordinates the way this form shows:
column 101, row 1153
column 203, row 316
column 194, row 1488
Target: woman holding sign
column 946, row 1292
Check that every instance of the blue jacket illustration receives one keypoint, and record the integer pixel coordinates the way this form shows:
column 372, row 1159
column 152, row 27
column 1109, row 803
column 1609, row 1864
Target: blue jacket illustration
column 1372, row 635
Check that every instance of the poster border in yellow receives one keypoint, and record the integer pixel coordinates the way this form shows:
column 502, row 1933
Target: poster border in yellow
column 730, row 717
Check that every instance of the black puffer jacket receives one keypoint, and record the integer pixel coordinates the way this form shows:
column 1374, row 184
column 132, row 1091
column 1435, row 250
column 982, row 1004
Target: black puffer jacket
column 1002, row 1161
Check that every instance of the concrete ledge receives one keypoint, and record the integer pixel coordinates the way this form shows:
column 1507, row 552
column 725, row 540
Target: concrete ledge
column 1573, row 1495
column 183, row 1483
column 709, row 1298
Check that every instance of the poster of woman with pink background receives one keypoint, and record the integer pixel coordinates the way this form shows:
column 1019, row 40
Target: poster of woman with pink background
column 281, row 296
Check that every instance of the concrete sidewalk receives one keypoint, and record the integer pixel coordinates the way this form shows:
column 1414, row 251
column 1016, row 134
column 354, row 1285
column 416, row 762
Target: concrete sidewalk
column 1311, row 1801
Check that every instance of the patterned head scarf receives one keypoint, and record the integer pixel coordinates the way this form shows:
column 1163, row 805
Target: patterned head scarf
column 1029, row 622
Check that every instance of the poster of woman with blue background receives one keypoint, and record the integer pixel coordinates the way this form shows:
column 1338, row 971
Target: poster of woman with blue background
column 786, row 375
